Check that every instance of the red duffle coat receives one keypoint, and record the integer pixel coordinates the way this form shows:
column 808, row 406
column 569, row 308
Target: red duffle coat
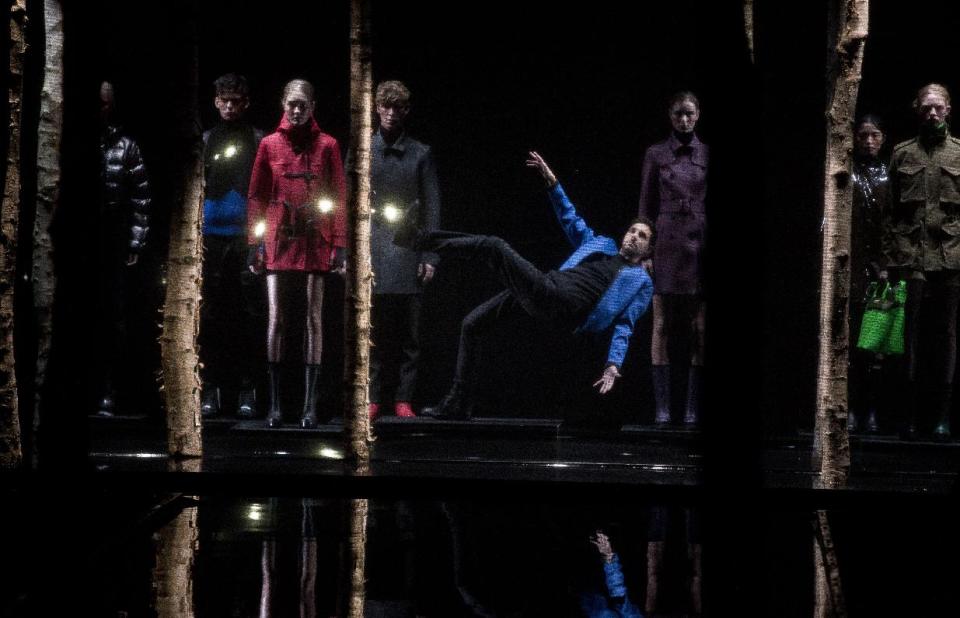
column 295, row 168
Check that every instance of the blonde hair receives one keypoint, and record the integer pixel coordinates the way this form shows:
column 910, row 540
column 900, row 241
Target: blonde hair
column 931, row 89
column 297, row 84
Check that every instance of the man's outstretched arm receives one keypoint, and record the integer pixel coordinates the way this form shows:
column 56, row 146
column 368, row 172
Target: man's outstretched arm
column 622, row 331
column 575, row 228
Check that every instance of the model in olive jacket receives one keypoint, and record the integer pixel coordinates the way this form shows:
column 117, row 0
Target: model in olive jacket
column 921, row 237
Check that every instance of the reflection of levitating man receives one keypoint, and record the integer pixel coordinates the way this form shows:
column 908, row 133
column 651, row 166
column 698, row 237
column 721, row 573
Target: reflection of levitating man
column 615, row 604
column 124, row 221
column 228, row 333
column 404, row 184
column 600, row 288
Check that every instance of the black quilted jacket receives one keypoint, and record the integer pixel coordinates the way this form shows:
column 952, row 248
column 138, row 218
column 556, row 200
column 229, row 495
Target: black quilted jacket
column 126, row 189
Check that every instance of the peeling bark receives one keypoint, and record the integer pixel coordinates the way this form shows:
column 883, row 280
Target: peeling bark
column 353, row 560
column 177, row 544
column 359, row 273
column 181, row 310
column 11, row 453
column 828, row 599
column 847, row 34
column 49, row 133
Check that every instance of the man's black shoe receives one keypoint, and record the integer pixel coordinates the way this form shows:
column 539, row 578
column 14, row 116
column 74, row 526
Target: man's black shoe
column 454, row 407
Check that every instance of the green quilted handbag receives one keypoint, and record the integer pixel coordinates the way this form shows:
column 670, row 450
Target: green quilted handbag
column 882, row 328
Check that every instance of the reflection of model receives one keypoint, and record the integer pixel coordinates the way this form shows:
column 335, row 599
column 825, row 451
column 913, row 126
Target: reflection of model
column 404, row 184
column 922, row 236
column 600, row 288
column 124, row 221
column 615, row 603
column 673, row 190
column 296, row 227
column 870, row 197
column 226, row 316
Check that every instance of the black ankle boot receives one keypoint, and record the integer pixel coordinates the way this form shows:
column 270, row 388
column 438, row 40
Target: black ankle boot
column 661, row 394
column 694, row 388
column 210, row 404
column 908, row 428
column 309, row 419
column 455, row 406
column 944, row 397
column 274, row 418
column 107, row 406
column 247, row 403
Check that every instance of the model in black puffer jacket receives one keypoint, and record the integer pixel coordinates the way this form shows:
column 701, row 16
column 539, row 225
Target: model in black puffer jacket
column 126, row 189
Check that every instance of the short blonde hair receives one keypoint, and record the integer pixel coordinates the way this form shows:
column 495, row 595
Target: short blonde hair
column 931, row 89
column 297, row 84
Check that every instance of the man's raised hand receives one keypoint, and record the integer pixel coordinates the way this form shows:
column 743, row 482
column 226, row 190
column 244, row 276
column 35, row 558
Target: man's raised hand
column 536, row 161
column 610, row 375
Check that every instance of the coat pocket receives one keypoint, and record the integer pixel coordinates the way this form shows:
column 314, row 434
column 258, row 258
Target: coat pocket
column 949, row 181
column 903, row 242
column 912, row 185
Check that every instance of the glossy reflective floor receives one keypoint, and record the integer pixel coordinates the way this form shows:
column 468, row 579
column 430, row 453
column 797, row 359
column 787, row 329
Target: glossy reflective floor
column 523, row 450
column 132, row 555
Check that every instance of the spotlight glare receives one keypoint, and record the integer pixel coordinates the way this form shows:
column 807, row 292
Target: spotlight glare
column 391, row 213
column 259, row 229
column 230, row 151
column 330, row 453
column 325, row 205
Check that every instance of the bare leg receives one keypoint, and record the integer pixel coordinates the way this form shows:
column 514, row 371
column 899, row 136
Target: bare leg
column 308, row 565
column 275, row 319
column 658, row 344
column 314, row 332
column 697, row 332
column 695, row 376
column 654, row 565
column 268, row 570
column 312, row 349
column 661, row 359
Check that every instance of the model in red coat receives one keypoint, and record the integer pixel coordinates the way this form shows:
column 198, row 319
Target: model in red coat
column 296, row 227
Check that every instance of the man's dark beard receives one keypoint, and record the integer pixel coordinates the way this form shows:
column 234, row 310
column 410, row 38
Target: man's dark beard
column 932, row 133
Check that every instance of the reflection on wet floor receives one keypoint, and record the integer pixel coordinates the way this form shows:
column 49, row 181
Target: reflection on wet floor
column 263, row 556
column 424, row 558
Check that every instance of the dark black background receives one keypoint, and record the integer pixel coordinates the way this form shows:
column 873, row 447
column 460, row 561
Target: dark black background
column 587, row 87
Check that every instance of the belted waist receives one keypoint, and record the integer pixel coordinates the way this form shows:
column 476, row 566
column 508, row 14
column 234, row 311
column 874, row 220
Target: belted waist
column 681, row 205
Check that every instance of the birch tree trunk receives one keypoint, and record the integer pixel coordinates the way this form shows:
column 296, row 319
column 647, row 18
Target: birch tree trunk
column 359, row 276
column 173, row 573
column 359, row 284
column 828, row 592
column 353, row 563
column 11, row 453
column 181, row 310
column 847, row 32
column 49, row 134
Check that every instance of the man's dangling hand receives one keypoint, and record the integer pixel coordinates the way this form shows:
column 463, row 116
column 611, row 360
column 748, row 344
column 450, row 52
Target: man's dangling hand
column 610, row 375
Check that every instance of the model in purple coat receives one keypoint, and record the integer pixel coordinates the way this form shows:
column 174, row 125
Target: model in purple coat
column 673, row 192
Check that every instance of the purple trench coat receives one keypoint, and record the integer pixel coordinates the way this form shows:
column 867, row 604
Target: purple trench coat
column 672, row 194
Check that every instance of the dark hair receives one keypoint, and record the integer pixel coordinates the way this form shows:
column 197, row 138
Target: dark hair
column 646, row 221
column 869, row 119
column 233, row 83
column 393, row 93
